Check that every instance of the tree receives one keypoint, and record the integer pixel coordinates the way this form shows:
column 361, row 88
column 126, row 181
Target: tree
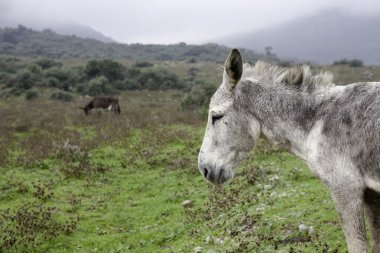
column 99, row 86
column 111, row 69
column 268, row 51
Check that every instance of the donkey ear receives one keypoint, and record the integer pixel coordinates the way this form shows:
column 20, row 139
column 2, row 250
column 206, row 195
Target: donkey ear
column 233, row 69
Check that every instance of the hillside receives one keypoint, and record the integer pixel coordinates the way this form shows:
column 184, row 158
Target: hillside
column 63, row 28
column 22, row 41
column 324, row 37
column 81, row 31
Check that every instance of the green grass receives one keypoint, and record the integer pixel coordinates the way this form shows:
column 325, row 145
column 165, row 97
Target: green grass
column 117, row 184
column 134, row 204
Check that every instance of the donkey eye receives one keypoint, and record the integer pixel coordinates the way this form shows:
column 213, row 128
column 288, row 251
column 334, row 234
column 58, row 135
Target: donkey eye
column 216, row 118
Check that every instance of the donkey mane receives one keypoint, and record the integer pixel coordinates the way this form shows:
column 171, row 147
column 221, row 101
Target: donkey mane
column 299, row 78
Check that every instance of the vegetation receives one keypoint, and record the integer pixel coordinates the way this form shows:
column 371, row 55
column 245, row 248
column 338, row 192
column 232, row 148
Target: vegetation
column 22, row 41
column 110, row 183
column 198, row 97
column 129, row 182
column 95, row 77
column 351, row 63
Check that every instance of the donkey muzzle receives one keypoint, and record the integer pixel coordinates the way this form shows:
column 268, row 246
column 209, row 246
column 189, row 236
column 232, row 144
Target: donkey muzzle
column 215, row 175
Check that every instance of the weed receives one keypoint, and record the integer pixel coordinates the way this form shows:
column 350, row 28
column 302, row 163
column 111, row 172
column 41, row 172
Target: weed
column 30, row 225
column 43, row 190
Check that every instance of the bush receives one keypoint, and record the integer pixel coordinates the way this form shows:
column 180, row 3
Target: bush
column 35, row 69
column 143, row 64
column 31, row 94
column 15, row 91
column 59, row 78
column 23, row 229
column 51, row 82
column 192, row 60
column 48, row 63
column 351, row 63
column 81, row 88
column 4, row 78
column 198, row 97
column 25, row 79
column 192, row 72
column 158, row 80
column 356, row 63
column 111, row 69
column 99, row 86
column 133, row 73
column 131, row 84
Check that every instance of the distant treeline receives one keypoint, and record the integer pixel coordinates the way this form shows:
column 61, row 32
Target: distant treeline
column 22, row 41
column 96, row 77
column 26, row 77
column 351, row 63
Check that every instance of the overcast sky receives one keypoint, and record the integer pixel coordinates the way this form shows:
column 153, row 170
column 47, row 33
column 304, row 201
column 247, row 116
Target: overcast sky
column 169, row 21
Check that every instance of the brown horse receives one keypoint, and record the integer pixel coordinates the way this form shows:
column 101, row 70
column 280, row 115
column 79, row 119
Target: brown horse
column 109, row 103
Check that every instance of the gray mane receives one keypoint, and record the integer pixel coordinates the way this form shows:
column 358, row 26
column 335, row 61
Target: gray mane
column 298, row 78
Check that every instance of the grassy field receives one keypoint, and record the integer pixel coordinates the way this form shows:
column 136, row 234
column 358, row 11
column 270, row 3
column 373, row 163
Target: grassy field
column 106, row 183
column 119, row 183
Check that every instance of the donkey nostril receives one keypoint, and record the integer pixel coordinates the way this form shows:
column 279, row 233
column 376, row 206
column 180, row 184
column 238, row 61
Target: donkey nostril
column 220, row 179
column 205, row 172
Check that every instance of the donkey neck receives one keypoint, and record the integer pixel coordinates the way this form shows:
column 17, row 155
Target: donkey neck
column 286, row 116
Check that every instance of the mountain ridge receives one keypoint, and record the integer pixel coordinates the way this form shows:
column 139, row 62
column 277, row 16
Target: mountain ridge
column 65, row 28
column 23, row 41
column 323, row 37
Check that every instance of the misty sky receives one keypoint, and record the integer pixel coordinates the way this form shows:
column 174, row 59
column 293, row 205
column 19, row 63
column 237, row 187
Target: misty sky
column 169, row 21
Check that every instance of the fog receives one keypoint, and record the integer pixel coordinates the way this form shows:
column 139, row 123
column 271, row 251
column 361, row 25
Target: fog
column 168, row 21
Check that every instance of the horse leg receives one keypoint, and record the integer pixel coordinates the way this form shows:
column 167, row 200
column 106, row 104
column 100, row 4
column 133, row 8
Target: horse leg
column 348, row 203
column 371, row 200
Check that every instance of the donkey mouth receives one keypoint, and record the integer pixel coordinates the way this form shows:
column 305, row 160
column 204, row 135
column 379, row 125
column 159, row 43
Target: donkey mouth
column 217, row 177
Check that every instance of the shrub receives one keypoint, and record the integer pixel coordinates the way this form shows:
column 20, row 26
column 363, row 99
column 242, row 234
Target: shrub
column 131, row 84
column 192, row 72
column 158, row 79
column 25, row 79
column 59, row 78
column 4, row 78
column 351, row 63
column 35, row 69
column 111, row 69
column 48, row 63
column 30, row 225
column 31, row 94
column 341, row 62
column 133, row 73
column 98, row 86
column 143, row 64
column 192, row 60
column 50, row 82
column 198, row 97
column 81, row 88
column 15, row 91
column 356, row 63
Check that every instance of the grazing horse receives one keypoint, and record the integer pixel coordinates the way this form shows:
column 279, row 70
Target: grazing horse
column 334, row 129
column 109, row 103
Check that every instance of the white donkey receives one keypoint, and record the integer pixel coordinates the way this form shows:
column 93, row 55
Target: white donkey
column 334, row 129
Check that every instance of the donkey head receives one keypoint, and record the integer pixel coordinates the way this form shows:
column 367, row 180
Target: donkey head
column 231, row 132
